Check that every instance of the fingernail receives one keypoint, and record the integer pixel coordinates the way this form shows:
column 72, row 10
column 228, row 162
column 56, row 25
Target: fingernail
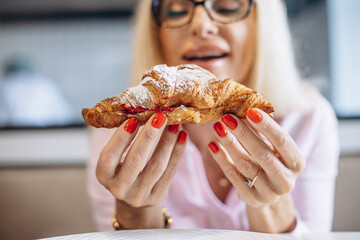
column 173, row 128
column 158, row 120
column 229, row 121
column 254, row 115
column 131, row 125
column 220, row 129
column 213, row 147
column 182, row 137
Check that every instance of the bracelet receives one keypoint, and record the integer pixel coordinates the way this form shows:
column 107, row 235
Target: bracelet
column 116, row 225
column 167, row 220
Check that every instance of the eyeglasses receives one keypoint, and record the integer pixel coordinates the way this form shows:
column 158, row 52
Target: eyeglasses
column 178, row 13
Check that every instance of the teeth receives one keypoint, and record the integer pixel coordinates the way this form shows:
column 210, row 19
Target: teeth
column 207, row 54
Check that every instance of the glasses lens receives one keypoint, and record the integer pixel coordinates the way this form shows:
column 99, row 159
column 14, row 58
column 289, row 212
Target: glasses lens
column 226, row 11
column 175, row 13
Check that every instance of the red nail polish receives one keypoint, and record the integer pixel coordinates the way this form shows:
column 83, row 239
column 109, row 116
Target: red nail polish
column 213, row 147
column 220, row 129
column 254, row 115
column 182, row 137
column 229, row 121
column 173, row 128
column 131, row 125
column 158, row 120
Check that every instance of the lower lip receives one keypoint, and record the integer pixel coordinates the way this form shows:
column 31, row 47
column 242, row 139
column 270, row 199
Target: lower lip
column 209, row 64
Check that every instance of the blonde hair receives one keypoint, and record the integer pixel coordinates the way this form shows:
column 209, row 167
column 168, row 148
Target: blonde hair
column 274, row 73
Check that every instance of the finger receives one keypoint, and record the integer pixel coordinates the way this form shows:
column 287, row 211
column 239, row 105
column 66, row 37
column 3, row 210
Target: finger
column 263, row 138
column 257, row 149
column 280, row 140
column 160, row 158
column 111, row 153
column 142, row 148
column 267, row 194
column 249, row 195
column 259, row 134
column 161, row 188
column 243, row 162
column 238, row 154
column 276, row 172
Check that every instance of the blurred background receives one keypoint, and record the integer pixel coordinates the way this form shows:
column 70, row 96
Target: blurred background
column 77, row 53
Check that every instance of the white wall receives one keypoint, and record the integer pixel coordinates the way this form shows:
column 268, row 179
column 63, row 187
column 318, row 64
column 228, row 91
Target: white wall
column 344, row 28
column 88, row 59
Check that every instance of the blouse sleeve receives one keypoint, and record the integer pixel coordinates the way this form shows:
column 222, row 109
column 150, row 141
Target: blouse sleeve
column 315, row 188
column 102, row 201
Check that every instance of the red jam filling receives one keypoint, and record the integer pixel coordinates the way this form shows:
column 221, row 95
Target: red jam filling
column 127, row 109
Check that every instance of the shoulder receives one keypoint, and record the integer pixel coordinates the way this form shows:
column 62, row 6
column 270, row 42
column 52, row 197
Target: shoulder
column 316, row 134
column 314, row 129
column 320, row 116
column 322, row 108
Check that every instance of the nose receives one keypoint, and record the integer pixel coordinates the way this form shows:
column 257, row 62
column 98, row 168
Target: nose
column 202, row 25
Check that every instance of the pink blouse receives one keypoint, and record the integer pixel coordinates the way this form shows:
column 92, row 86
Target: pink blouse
column 193, row 204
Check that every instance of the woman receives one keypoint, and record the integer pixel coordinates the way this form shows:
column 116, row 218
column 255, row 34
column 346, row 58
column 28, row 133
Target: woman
column 231, row 174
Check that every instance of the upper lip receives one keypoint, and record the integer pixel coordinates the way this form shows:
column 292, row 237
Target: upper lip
column 205, row 51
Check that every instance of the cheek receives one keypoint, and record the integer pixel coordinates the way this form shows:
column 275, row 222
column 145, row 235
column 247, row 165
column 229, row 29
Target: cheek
column 243, row 45
column 170, row 47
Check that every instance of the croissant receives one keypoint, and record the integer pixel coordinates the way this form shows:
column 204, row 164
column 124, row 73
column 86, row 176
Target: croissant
column 185, row 93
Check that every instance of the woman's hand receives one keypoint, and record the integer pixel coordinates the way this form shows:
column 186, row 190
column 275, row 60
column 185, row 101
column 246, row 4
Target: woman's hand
column 262, row 149
column 139, row 174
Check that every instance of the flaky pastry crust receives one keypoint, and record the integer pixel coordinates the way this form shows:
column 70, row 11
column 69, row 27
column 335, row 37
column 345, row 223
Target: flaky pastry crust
column 185, row 93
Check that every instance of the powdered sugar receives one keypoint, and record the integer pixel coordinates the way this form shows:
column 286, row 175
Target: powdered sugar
column 138, row 96
column 166, row 78
column 177, row 79
column 169, row 81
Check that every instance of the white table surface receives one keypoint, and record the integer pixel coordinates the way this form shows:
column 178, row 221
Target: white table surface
column 208, row 234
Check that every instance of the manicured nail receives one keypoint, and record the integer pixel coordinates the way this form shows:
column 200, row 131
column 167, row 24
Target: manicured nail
column 229, row 121
column 158, row 120
column 182, row 137
column 254, row 115
column 173, row 128
column 220, row 129
column 131, row 125
column 213, row 147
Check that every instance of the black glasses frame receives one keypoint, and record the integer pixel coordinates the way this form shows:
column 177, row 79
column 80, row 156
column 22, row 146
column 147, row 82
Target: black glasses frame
column 155, row 12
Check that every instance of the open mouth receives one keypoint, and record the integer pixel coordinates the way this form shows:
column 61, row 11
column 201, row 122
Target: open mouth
column 205, row 53
column 205, row 56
